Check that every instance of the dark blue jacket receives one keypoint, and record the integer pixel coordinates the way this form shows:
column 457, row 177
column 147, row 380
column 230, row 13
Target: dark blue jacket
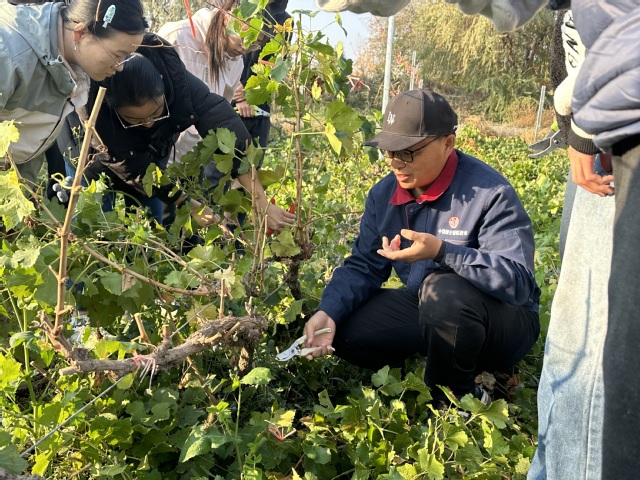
column 487, row 233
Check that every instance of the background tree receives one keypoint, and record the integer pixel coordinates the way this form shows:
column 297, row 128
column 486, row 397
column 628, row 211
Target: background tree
column 160, row 12
column 462, row 54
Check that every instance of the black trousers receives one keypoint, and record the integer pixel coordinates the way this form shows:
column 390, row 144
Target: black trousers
column 621, row 357
column 459, row 329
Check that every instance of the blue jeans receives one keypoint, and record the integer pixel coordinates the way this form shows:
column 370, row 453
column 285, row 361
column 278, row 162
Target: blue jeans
column 571, row 392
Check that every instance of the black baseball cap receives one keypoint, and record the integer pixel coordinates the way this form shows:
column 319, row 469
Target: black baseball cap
column 413, row 116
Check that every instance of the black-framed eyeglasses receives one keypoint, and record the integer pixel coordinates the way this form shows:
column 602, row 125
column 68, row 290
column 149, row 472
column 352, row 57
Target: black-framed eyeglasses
column 146, row 122
column 406, row 156
column 116, row 63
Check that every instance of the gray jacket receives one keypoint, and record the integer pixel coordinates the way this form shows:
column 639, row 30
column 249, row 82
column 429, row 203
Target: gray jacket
column 36, row 84
column 606, row 99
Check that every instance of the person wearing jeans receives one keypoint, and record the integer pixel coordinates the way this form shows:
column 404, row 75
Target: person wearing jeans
column 456, row 234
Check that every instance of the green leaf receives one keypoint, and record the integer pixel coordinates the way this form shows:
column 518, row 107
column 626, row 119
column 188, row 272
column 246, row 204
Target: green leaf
column 316, row 91
column 388, row 382
column 182, row 279
column 200, row 441
column 321, row 48
column 28, row 252
column 522, row 466
column 14, row 206
column 281, row 70
column 293, row 311
column 497, row 413
column 21, row 337
column 285, row 246
column 330, row 133
column 495, row 443
column 9, row 372
column 194, row 447
column 46, row 293
column 407, row 471
column 454, row 436
column 10, row 458
column 343, row 117
column 152, row 178
column 104, row 348
column 257, row 376
column 430, row 464
column 110, row 471
column 317, row 453
column 224, row 163
column 112, row 282
column 226, row 140
column 269, row 177
column 8, row 134
column 126, row 383
column 284, row 419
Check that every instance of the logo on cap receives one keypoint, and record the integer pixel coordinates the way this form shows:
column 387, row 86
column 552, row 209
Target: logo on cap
column 391, row 118
column 454, row 222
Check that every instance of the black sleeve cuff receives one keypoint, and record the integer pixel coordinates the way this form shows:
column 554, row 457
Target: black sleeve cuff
column 440, row 255
column 583, row 145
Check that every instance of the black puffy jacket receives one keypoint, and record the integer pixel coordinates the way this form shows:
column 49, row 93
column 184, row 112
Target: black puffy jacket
column 190, row 102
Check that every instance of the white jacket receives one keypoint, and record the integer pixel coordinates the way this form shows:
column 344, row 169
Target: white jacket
column 193, row 54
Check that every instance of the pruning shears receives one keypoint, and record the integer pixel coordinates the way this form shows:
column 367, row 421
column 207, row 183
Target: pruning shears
column 296, row 347
column 548, row 144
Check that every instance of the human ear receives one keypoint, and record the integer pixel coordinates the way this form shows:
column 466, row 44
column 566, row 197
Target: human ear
column 450, row 142
column 79, row 30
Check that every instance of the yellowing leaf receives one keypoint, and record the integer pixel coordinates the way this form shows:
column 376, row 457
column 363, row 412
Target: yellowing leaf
column 8, row 134
column 14, row 206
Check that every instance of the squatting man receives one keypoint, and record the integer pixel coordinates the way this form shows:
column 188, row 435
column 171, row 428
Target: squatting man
column 457, row 235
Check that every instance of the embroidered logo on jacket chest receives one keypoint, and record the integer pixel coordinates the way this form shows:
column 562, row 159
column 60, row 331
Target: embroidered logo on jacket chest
column 453, row 223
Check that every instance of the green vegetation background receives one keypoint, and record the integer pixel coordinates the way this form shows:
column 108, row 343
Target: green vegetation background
column 220, row 418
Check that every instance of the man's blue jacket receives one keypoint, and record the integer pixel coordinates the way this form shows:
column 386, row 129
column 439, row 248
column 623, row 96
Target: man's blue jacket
column 472, row 208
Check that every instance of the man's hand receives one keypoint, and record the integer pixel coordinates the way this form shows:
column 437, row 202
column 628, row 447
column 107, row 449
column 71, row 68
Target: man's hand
column 278, row 218
column 318, row 321
column 584, row 175
column 425, row 247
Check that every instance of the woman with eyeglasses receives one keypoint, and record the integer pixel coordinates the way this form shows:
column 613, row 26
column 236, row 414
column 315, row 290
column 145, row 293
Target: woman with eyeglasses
column 147, row 105
column 47, row 55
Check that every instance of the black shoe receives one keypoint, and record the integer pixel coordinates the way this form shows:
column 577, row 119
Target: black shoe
column 481, row 394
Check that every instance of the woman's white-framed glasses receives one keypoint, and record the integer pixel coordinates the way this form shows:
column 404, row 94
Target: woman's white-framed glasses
column 406, row 156
column 116, row 63
column 146, row 122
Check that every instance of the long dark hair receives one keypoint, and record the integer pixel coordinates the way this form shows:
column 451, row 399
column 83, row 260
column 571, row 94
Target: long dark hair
column 137, row 83
column 216, row 40
column 127, row 18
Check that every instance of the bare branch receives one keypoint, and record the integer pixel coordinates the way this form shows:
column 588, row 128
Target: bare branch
column 198, row 292
column 230, row 330
column 65, row 230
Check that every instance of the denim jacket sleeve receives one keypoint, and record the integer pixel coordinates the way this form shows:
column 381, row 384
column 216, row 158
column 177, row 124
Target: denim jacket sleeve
column 502, row 265
column 363, row 272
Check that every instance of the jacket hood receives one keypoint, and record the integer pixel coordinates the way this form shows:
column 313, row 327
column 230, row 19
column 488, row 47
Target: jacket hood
column 37, row 27
column 201, row 20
